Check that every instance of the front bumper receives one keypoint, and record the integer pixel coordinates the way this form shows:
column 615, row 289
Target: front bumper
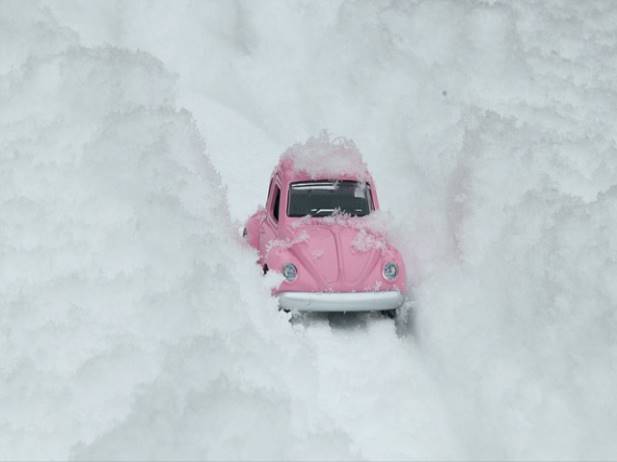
column 340, row 301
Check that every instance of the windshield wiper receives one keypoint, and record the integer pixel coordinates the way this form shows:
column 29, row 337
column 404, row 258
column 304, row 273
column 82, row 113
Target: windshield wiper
column 321, row 212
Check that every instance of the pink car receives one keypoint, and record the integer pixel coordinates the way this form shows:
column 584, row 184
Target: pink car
column 320, row 231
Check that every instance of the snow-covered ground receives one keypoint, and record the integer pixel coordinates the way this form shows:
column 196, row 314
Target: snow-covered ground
column 136, row 136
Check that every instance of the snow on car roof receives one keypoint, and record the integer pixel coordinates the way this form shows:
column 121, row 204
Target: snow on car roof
column 321, row 157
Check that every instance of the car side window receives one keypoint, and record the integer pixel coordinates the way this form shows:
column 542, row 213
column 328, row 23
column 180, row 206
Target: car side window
column 276, row 203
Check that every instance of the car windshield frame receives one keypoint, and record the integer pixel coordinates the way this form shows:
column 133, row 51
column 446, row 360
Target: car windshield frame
column 329, row 184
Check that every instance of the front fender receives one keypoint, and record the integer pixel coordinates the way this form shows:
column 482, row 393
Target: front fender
column 253, row 226
column 391, row 254
column 276, row 258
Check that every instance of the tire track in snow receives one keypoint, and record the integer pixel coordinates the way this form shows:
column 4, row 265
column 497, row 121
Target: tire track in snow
column 375, row 386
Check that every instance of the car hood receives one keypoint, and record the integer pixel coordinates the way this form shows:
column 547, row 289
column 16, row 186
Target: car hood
column 339, row 257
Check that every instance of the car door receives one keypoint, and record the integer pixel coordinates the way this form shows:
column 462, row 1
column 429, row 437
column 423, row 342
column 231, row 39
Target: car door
column 269, row 230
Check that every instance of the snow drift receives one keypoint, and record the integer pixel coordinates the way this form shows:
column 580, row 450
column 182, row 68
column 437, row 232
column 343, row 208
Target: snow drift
column 488, row 127
column 135, row 324
column 124, row 293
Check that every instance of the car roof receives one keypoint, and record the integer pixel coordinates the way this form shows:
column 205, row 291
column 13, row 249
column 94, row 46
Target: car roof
column 322, row 159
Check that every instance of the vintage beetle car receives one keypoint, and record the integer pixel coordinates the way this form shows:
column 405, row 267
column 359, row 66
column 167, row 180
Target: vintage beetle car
column 316, row 231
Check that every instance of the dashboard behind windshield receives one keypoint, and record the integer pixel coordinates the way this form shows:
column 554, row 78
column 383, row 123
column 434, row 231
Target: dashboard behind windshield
column 324, row 198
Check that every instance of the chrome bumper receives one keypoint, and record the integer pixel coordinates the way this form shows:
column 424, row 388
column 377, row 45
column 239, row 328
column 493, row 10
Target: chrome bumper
column 340, row 301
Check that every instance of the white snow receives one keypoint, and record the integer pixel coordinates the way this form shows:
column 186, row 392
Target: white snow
column 321, row 157
column 302, row 236
column 136, row 136
column 365, row 241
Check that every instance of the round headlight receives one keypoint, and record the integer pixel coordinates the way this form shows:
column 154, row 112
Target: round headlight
column 390, row 271
column 290, row 272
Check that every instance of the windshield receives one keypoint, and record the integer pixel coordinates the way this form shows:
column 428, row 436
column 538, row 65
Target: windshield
column 323, row 198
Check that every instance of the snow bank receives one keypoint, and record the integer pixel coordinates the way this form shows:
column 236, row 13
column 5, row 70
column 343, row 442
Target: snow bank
column 133, row 324
column 488, row 127
column 520, row 321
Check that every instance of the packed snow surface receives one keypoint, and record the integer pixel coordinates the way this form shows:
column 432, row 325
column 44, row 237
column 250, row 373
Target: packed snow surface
column 136, row 136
